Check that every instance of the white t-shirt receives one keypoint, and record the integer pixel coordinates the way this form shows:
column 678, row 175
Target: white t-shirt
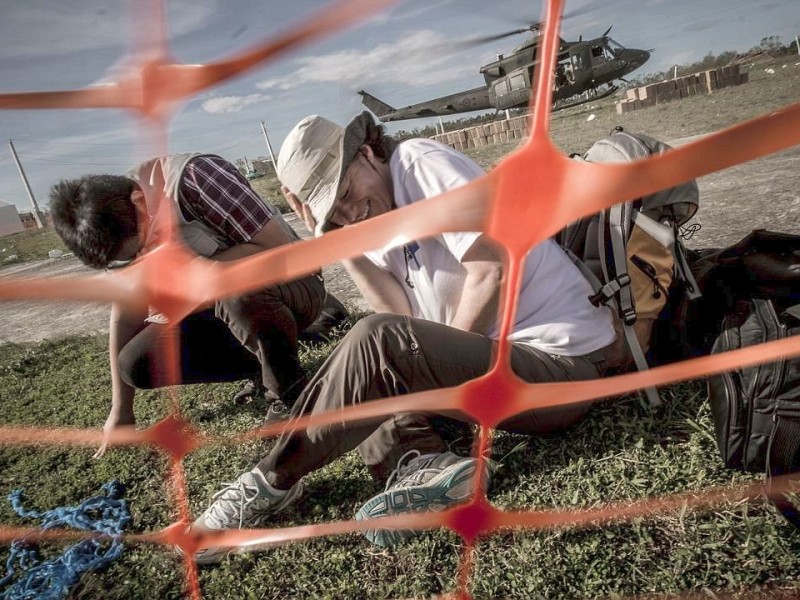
column 553, row 314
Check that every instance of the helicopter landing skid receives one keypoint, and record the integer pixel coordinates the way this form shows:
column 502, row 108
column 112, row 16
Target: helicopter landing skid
column 591, row 98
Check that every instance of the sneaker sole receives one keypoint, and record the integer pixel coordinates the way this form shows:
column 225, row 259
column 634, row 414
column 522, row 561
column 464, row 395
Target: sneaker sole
column 444, row 490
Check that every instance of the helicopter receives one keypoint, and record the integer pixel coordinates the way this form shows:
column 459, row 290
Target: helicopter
column 581, row 67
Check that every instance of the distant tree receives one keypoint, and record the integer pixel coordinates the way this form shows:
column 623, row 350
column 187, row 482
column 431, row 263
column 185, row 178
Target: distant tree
column 456, row 124
column 771, row 44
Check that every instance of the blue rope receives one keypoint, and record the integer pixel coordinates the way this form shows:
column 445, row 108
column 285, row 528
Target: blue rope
column 51, row 580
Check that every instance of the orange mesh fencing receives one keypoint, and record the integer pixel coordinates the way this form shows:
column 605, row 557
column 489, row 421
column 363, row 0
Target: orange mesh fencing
column 529, row 196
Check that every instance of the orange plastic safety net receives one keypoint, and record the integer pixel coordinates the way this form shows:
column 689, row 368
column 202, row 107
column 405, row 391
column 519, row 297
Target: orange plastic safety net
column 526, row 198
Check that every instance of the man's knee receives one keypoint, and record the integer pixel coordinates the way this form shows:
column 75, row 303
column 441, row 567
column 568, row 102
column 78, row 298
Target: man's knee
column 376, row 325
column 134, row 370
column 234, row 308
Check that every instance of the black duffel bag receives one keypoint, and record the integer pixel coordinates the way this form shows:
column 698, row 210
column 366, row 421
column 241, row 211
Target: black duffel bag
column 756, row 410
column 764, row 264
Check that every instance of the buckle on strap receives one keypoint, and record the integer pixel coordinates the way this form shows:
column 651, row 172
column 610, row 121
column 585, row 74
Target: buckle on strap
column 609, row 290
column 628, row 316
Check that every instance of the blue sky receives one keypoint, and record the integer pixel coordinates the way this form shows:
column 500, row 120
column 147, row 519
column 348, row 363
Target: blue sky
column 402, row 56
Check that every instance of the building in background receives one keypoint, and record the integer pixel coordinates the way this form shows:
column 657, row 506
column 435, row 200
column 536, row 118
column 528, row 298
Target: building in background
column 10, row 221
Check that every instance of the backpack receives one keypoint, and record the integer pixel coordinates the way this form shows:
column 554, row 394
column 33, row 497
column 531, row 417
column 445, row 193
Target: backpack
column 756, row 410
column 632, row 254
column 763, row 264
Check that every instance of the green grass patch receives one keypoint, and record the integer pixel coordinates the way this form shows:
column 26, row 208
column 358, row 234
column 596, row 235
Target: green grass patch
column 31, row 244
column 623, row 451
column 269, row 188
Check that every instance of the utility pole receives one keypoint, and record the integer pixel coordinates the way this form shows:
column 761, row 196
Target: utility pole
column 269, row 148
column 36, row 214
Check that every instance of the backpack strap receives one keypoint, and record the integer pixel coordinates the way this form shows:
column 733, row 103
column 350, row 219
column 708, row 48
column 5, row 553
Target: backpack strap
column 619, row 231
column 692, row 290
column 619, row 224
column 585, row 271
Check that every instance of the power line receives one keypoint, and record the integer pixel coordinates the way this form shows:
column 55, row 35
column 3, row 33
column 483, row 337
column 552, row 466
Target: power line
column 58, row 162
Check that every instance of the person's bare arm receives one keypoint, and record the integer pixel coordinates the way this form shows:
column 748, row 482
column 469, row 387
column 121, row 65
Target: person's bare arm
column 477, row 309
column 123, row 326
column 382, row 291
column 272, row 235
column 379, row 287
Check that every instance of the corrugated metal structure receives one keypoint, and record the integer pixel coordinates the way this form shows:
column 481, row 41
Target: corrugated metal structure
column 9, row 219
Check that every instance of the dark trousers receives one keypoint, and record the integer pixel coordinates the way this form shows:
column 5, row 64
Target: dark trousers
column 241, row 337
column 389, row 355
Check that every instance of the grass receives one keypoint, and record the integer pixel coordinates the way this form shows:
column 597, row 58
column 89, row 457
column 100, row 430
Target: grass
column 269, row 188
column 623, row 451
column 28, row 245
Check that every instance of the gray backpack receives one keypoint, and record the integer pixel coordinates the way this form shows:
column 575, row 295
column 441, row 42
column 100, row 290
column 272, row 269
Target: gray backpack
column 631, row 253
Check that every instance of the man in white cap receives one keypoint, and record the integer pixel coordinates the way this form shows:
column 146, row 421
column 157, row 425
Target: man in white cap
column 436, row 304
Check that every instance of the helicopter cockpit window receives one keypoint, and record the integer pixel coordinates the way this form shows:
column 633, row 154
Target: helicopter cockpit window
column 598, row 55
column 614, row 48
column 501, row 87
column 518, row 82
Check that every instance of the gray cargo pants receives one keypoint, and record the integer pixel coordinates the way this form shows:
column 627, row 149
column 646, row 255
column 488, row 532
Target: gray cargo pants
column 389, row 355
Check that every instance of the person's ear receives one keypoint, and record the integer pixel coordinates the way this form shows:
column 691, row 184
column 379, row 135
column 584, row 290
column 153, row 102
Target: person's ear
column 137, row 198
column 367, row 151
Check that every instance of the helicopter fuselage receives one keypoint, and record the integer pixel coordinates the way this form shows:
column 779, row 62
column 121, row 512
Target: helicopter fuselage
column 581, row 66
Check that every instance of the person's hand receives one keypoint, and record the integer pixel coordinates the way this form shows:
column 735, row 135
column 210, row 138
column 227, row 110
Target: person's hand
column 114, row 422
column 302, row 210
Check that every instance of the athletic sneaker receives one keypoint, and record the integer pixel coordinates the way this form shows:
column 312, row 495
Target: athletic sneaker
column 430, row 482
column 246, row 503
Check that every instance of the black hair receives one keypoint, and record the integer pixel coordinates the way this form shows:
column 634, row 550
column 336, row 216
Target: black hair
column 94, row 216
column 382, row 144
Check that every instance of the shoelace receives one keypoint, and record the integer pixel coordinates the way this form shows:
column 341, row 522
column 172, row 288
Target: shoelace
column 409, row 470
column 218, row 508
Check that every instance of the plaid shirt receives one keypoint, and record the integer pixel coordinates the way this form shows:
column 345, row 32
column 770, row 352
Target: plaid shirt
column 214, row 192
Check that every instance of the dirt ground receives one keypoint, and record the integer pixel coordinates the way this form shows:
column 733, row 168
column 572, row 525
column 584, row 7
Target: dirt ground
column 760, row 194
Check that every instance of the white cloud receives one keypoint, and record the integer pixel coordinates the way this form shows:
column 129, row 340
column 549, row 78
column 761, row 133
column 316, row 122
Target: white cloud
column 43, row 28
column 231, row 104
column 420, row 58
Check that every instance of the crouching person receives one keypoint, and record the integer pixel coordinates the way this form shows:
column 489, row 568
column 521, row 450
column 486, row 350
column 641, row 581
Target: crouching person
column 436, row 301
column 110, row 220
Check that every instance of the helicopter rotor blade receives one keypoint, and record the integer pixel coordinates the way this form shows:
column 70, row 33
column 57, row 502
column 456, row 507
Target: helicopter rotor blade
column 528, row 26
column 605, row 33
column 583, row 10
column 480, row 40
column 534, row 26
